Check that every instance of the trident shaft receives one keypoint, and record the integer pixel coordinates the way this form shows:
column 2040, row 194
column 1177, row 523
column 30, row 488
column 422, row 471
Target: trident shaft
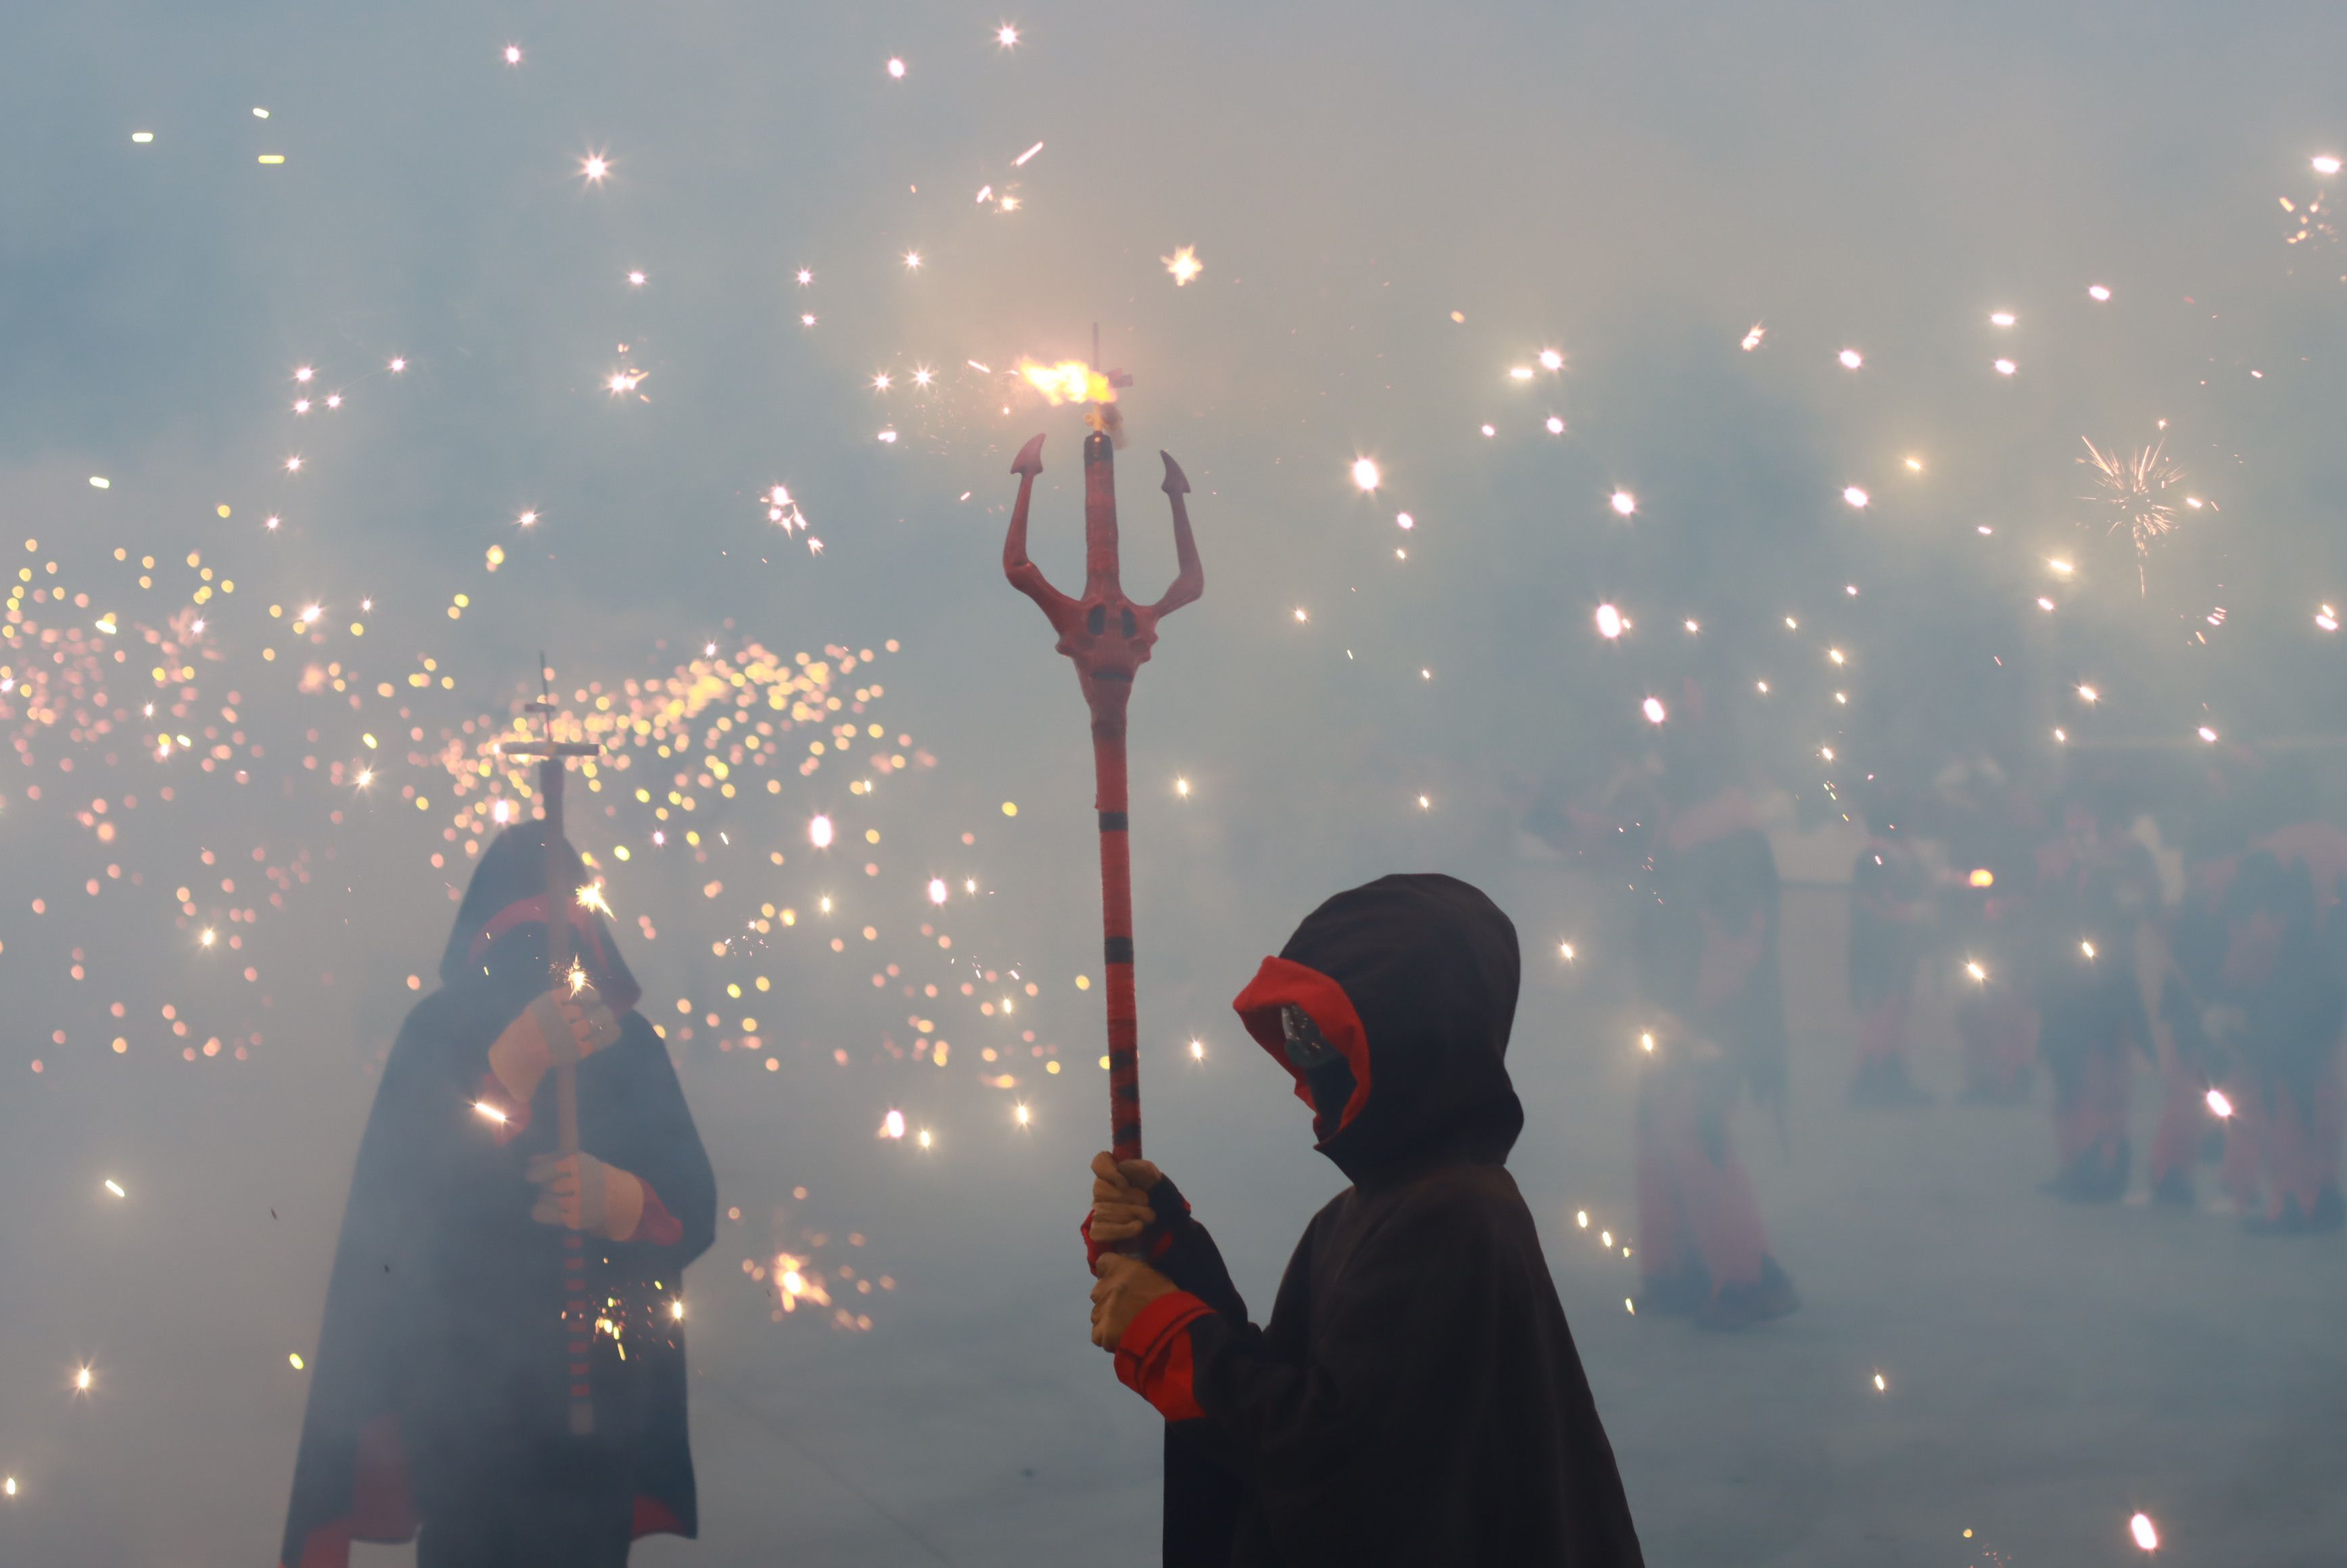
column 1108, row 638
column 577, row 1321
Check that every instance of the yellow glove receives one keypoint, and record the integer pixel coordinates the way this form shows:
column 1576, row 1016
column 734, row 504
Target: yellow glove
column 581, row 1193
column 557, row 1027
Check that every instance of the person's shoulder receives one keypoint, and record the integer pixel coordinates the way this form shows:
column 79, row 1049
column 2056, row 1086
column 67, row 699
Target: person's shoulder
column 1465, row 1202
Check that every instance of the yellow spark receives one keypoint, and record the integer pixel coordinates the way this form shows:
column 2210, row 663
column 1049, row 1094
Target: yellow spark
column 1566, row 948
column 1646, row 1041
column 1974, row 969
column 1581, row 1218
column 2087, row 948
column 591, row 897
column 294, row 1359
column 1915, row 465
column 1182, row 787
column 1197, row 1051
column 1023, row 1116
column 82, row 1379
column 1183, row 264
column 1068, row 381
column 207, row 938
column 2064, row 567
column 1752, row 339
column 1880, row 1386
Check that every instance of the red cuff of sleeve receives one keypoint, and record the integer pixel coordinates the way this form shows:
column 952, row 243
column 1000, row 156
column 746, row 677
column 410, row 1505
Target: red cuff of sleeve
column 497, row 1107
column 657, row 1225
column 1154, row 1358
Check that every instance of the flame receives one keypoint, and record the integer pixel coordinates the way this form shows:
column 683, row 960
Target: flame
column 1070, row 380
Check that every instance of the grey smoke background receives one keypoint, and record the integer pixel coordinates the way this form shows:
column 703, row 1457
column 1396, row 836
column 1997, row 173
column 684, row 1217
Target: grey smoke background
column 1635, row 186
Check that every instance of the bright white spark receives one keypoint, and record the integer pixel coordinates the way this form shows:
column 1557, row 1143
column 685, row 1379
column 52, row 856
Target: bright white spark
column 595, row 165
column 1609, row 622
column 1855, row 496
column 2001, row 318
column 1654, row 710
column 912, row 260
column 2325, row 164
column 1404, row 521
column 1519, row 373
column 881, row 381
column 2218, row 1105
column 819, row 833
column 2005, row 367
column 1624, row 502
column 1007, row 35
column 1555, row 426
column 2207, row 735
column 2145, row 1535
column 893, row 1124
column 637, row 279
column 1183, row 264
column 2096, row 292
column 895, row 68
column 1852, row 359
column 513, row 54
column 1550, row 359
column 1752, row 339
column 526, row 519
column 398, row 364
column 1365, row 473
column 936, row 889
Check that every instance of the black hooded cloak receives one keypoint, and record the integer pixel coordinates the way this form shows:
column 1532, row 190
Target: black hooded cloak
column 439, row 1384
column 1416, row 1398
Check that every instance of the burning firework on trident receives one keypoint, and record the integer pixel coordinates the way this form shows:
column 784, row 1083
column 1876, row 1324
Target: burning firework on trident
column 577, row 1321
column 1108, row 637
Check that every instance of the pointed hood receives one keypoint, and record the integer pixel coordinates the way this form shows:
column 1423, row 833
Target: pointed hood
column 1413, row 978
column 500, row 929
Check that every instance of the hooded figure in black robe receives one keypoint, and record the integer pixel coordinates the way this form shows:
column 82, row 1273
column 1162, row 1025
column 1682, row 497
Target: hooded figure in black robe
column 1416, row 1398
column 441, row 1390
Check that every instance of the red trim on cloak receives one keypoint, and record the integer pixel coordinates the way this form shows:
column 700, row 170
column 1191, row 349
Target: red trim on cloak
column 382, row 1510
column 1153, row 1357
column 1283, row 982
column 656, row 1225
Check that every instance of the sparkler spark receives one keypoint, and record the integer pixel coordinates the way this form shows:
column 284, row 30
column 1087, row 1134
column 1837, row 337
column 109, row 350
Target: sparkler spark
column 2132, row 487
column 1007, row 35
column 594, row 165
column 2145, row 1535
column 1068, row 381
column 1752, row 339
column 1183, row 264
column 1624, row 502
column 1365, row 473
column 1609, row 622
column 2220, row 1105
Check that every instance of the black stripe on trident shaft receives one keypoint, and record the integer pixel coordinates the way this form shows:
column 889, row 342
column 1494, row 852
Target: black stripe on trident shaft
column 1115, row 821
column 1119, row 950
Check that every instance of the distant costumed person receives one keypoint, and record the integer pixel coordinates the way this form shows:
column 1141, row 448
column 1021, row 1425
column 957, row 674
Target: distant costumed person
column 502, row 1366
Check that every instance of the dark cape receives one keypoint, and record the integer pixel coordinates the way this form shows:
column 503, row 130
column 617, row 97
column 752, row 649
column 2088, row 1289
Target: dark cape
column 1416, row 1398
column 439, row 1383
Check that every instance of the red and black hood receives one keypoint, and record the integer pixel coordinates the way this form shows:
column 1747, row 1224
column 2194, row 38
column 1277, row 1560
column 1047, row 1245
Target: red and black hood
column 1414, row 980
column 500, row 930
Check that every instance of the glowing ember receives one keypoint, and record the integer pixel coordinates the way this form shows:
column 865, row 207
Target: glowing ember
column 1068, row 381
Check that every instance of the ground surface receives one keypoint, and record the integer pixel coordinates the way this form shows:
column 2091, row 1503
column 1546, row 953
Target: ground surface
column 2050, row 1370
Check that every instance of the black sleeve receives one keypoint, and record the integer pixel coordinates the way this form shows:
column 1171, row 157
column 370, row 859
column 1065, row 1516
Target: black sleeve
column 1190, row 1258
column 653, row 1137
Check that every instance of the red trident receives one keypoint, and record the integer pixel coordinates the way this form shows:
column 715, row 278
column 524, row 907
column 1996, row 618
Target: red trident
column 1107, row 636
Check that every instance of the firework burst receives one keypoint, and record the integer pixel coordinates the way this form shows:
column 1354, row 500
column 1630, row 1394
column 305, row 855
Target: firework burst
column 2132, row 488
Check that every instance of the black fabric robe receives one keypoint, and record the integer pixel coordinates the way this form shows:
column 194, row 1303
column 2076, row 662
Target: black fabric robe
column 439, row 1384
column 1416, row 1398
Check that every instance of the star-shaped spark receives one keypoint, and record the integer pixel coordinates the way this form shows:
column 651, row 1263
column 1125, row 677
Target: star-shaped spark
column 2132, row 488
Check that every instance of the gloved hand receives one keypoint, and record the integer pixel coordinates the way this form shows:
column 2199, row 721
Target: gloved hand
column 1124, row 1286
column 557, row 1027
column 581, row 1193
column 1120, row 1207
